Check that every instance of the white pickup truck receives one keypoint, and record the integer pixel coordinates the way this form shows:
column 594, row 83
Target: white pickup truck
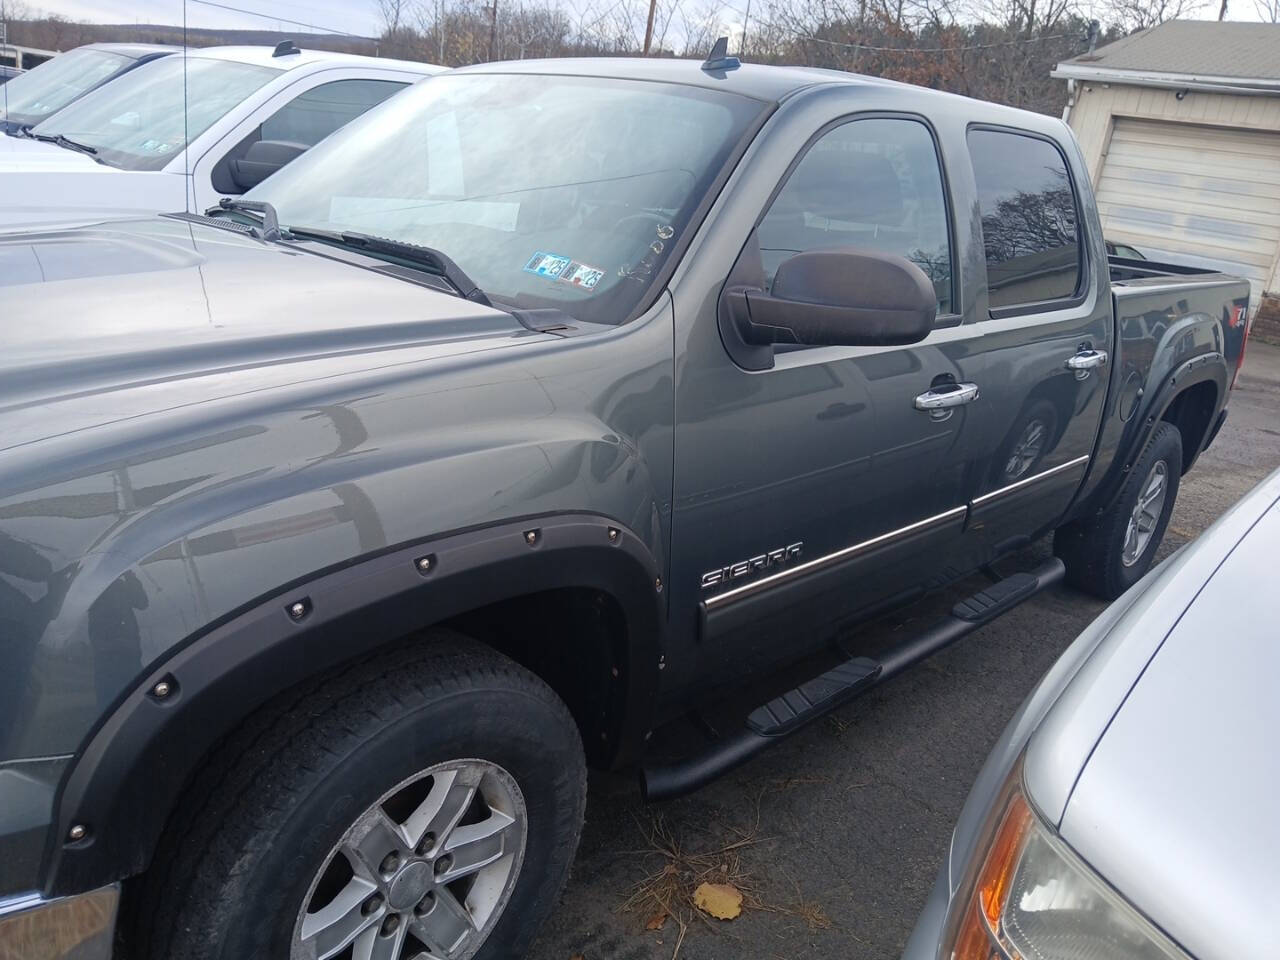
column 182, row 131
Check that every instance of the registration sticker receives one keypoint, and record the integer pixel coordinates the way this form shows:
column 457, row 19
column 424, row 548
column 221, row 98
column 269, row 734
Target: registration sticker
column 581, row 275
column 549, row 265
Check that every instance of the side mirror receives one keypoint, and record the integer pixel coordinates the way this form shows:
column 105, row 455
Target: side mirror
column 262, row 159
column 839, row 296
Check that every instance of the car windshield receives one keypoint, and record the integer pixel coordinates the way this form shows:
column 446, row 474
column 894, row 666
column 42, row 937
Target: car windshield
column 32, row 96
column 140, row 121
column 548, row 191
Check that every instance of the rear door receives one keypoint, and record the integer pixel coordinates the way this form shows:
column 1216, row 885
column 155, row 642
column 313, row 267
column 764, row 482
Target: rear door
column 1047, row 333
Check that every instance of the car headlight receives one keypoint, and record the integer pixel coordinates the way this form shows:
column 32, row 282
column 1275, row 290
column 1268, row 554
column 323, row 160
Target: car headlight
column 1034, row 899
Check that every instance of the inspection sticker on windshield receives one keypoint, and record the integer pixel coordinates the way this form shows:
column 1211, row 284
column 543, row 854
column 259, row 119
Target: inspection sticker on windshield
column 581, row 275
column 549, row 265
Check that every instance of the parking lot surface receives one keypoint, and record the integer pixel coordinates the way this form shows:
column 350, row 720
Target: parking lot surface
column 836, row 835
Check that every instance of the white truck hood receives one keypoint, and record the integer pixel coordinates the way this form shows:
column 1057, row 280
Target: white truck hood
column 1176, row 807
column 42, row 183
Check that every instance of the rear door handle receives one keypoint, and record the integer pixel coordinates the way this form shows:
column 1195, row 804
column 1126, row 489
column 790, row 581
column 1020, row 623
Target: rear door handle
column 1084, row 361
column 940, row 402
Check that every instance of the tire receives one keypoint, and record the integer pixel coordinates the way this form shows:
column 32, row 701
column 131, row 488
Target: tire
column 1030, row 438
column 1097, row 551
column 286, row 818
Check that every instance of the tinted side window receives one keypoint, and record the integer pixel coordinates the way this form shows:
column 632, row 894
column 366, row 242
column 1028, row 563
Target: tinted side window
column 1029, row 224
column 874, row 184
column 312, row 116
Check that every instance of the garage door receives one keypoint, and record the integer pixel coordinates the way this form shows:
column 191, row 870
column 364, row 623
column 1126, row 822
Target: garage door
column 1194, row 194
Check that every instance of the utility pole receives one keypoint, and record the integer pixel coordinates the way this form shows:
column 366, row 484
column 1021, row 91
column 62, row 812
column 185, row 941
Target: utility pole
column 493, row 27
column 746, row 17
column 648, row 27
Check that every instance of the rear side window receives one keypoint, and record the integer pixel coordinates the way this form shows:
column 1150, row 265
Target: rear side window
column 312, row 116
column 874, row 184
column 1029, row 225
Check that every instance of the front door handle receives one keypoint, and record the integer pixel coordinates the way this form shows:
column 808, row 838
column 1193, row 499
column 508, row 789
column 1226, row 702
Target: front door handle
column 940, row 401
column 1084, row 361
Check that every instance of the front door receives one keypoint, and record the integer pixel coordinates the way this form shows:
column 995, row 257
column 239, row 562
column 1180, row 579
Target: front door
column 814, row 487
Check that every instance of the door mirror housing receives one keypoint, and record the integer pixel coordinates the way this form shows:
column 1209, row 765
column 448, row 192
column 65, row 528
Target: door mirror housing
column 262, row 159
column 839, row 296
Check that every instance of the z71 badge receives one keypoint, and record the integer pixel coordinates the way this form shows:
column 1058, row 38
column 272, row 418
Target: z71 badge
column 745, row 568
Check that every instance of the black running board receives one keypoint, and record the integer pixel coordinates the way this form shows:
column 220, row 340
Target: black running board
column 795, row 709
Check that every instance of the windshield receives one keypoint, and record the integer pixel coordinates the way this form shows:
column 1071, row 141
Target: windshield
column 138, row 122
column 549, row 191
column 32, row 96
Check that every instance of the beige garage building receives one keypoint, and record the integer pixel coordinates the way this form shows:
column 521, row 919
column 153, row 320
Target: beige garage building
column 1180, row 126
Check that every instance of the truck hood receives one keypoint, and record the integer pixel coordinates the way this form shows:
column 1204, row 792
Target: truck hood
column 41, row 183
column 1176, row 805
column 91, row 315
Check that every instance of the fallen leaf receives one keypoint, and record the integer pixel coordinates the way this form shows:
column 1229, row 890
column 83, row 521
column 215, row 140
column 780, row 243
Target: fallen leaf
column 577, row 956
column 720, row 900
column 656, row 921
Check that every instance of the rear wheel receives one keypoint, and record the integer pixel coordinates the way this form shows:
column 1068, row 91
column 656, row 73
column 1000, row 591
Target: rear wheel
column 1109, row 552
column 426, row 804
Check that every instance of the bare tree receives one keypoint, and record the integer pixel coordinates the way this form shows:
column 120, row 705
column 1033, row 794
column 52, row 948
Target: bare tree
column 1268, row 10
column 1131, row 15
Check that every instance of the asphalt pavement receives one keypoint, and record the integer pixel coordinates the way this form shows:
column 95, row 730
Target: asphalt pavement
column 836, row 835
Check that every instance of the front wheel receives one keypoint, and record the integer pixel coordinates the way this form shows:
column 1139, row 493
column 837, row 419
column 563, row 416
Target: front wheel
column 425, row 804
column 1109, row 552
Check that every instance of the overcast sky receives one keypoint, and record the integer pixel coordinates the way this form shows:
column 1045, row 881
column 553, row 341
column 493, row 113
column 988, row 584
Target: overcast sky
column 357, row 17
column 346, row 16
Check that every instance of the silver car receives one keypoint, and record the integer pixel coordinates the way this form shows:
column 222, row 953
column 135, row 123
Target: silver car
column 1130, row 809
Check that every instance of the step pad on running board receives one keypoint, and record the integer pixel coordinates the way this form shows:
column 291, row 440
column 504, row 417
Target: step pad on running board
column 813, row 697
column 996, row 599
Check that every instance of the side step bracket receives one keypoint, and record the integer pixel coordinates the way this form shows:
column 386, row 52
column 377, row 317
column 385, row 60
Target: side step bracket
column 795, row 709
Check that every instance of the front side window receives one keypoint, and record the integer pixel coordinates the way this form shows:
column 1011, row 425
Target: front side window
column 548, row 191
column 1029, row 226
column 874, row 184
column 310, row 117
column 141, row 120
column 32, row 96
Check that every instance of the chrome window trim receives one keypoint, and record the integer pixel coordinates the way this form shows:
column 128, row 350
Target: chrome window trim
column 1026, row 481
column 830, row 558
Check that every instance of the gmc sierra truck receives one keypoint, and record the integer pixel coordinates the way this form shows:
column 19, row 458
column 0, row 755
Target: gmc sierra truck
column 342, row 527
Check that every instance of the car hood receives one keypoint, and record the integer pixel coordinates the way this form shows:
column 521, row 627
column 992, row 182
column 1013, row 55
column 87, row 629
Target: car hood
column 1176, row 805
column 95, row 320
column 24, row 153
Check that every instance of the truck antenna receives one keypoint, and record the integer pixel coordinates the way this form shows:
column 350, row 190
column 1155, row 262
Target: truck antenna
column 719, row 58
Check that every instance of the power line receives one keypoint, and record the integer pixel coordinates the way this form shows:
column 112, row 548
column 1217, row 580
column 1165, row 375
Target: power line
column 278, row 19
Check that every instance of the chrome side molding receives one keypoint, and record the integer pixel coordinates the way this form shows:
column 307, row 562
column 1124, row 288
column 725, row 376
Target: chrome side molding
column 827, row 559
column 845, row 553
column 1027, row 481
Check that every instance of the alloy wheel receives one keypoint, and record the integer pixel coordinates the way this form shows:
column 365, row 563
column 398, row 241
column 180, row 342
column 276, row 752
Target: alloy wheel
column 423, row 874
column 1146, row 514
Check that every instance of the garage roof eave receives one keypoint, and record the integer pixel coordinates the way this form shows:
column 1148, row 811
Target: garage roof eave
column 1244, row 86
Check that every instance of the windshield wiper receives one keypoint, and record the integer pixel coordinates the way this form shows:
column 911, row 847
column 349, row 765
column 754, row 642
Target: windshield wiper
column 64, row 141
column 429, row 259
column 270, row 229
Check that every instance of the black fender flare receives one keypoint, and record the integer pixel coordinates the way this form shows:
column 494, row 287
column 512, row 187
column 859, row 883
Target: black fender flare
column 133, row 766
column 1207, row 367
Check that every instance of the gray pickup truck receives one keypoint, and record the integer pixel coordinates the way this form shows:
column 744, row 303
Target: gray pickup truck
column 341, row 530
